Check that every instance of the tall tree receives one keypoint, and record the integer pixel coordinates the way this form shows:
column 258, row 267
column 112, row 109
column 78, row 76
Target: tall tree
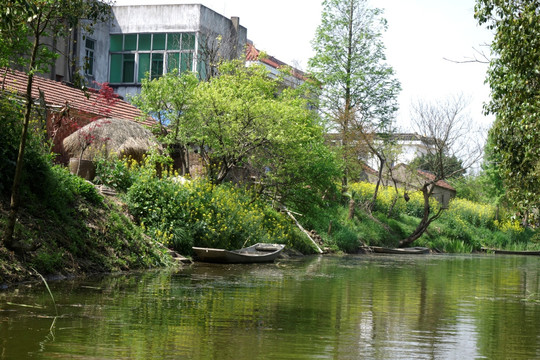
column 245, row 120
column 39, row 19
column 513, row 77
column 167, row 99
column 359, row 90
column 448, row 133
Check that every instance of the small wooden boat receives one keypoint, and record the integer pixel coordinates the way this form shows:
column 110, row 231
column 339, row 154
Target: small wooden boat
column 411, row 250
column 512, row 252
column 258, row 253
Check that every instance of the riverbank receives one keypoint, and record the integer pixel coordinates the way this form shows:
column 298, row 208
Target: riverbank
column 85, row 238
column 66, row 228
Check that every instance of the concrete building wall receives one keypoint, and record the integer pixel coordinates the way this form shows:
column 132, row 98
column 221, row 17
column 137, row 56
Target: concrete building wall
column 100, row 35
column 156, row 18
column 180, row 18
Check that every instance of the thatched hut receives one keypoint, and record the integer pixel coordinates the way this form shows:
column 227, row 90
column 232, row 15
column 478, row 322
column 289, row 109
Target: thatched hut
column 106, row 137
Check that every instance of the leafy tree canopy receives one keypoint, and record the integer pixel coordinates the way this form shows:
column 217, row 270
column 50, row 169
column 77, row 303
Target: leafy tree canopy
column 359, row 89
column 514, row 79
column 244, row 120
column 434, row 163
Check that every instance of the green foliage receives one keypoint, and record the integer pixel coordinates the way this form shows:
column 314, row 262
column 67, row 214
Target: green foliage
column 452, row 166
column 243, row 123
column 347, row 240
column 199, row 213
column 63, row 183
column 10, row 131
column 358, row 88
column 350, row 63
column 515, row 95
column 415, row 206
column 167, row 99
column 116, row 173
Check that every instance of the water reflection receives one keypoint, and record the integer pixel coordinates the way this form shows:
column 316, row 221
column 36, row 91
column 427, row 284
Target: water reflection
column 376, row 307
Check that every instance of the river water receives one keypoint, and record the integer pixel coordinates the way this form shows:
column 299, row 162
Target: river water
column 353, row 307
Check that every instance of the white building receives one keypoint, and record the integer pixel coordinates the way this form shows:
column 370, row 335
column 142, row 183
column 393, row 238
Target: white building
column 151, row 40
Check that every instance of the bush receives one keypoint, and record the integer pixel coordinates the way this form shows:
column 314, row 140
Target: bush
column 199, row 213
column 347, row 240
column 116, row 173
column 474, row 213
column 363, row 193
column 10, row 132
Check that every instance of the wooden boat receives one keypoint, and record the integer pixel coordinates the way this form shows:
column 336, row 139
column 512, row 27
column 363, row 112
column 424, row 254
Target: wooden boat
column 512, row 252
column 411, row 250
column 258, row 253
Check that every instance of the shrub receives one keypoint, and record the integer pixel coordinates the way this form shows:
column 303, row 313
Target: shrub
column 474, row 213
column 116, row 173
column 347, row 240
column 202, row 214
column 364, row 191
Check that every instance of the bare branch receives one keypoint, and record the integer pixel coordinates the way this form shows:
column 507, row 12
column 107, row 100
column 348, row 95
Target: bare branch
column 480, row 57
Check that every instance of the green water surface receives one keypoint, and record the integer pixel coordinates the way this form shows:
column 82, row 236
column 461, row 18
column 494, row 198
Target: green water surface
column 354, row 307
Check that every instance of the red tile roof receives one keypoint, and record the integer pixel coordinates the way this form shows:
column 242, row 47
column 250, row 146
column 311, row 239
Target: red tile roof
column 58, row 94
column 440, row 183
column 252, row 54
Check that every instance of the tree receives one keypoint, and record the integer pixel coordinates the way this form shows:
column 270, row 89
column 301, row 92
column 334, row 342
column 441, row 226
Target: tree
column 39, row 19
column 448, row 132
column 429, row 162
column 242, row 117
column 359, row 91
column 245, row 120
column 515, row 94
column 167, row 100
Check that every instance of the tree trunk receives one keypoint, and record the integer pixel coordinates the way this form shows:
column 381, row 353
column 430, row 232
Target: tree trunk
column 426, row 219
column 371, row 205
column 15, row 201
column 352, row 206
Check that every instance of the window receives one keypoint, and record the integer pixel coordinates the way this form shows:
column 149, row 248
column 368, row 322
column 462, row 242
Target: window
column 122, row 68
column 136, row 56
column 89, row 57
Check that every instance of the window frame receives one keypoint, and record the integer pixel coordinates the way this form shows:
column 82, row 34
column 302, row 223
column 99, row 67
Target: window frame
column 89, row 57
column 188, row 52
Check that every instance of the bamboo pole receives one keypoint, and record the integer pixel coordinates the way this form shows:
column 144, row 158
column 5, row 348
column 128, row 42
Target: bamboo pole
column 304, row 231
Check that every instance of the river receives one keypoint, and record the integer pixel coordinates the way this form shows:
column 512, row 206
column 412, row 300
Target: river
column 352, row 307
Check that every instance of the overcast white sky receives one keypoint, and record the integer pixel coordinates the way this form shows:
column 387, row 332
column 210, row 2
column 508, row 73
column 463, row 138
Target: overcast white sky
column 421, row 34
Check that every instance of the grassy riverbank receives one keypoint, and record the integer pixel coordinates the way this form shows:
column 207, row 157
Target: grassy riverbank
column 66, row 228
column 464, row 227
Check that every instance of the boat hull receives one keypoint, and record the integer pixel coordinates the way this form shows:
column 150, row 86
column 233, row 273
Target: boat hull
column 412, row 251
column 258, row 253
column 512, row 252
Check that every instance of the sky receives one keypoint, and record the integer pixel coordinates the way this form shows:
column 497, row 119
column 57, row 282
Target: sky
column 423, row 37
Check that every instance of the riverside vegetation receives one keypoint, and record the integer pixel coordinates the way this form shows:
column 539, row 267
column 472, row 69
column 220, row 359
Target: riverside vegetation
column 242, row 118
column 67, row 227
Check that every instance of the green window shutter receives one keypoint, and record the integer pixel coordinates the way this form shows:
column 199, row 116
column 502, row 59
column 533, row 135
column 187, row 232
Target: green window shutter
column 188, row 41
column 159, row 42
column 128, row 71
column 173, row 41
column 130, row 42
column 145, row 41
column 173, row 61
column 144, row 66
column 115, row 72
column 157, row 66
column 187, row 62
column 116, row 42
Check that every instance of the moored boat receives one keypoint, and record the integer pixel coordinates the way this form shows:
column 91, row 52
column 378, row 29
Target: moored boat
column 411, row 250
column 258, row 253
column 512, row 252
